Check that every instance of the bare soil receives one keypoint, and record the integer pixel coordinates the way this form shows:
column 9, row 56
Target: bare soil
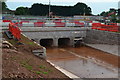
column 21, row 63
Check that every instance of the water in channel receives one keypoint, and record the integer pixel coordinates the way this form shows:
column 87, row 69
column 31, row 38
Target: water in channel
column 84, row 62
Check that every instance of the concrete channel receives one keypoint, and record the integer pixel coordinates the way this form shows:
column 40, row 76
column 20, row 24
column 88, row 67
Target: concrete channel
column 80, row 64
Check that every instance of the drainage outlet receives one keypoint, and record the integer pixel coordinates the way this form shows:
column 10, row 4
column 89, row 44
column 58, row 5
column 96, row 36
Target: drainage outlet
column 39, row 53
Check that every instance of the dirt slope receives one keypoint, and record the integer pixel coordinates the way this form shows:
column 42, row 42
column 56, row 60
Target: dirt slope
column 21, row 63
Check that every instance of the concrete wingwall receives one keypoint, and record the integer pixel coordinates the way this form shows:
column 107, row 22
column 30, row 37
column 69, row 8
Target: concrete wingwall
column 101, row 37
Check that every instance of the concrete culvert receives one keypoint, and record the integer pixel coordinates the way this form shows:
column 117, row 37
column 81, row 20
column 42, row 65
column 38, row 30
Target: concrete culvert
column 78, row 41
column 63, row 42
column 46, row 42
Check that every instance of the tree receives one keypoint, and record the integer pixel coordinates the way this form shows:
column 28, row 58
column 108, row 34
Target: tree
column 22, row 11
column 4, row 6
column 81, row 8
column 42, row 10
column 103, row 13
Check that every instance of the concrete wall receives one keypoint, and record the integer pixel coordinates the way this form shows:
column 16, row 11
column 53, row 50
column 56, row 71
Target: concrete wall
column 101, row 37
column 55, row 33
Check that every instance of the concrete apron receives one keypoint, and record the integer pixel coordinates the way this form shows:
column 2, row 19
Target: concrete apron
column 67, row 73
column 112, row 49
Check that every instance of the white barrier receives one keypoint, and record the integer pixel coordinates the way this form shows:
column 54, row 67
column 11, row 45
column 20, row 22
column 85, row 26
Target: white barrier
column 69, row 24
column 118, row 24
column 5, row 23
column 49, row 24
column 30, row 24
column 90, row 24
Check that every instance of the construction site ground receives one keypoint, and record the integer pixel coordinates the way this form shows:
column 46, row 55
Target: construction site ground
column 20, row 62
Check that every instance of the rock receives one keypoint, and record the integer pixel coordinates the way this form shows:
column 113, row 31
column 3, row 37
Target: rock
column 11, row 75
column 6, row 44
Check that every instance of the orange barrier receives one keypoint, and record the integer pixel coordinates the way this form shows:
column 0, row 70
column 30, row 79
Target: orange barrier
column 16, row 32
column 99, row 26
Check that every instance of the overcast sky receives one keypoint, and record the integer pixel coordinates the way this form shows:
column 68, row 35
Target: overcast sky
column 97, row 6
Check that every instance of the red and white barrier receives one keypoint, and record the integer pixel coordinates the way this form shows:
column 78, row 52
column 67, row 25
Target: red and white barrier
column 5, row 22
column 79, row 24
column 59, row 24
column 39, row 24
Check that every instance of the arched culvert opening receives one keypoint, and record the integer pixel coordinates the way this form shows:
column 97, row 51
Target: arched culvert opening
column 46, row 42
column 63, row 42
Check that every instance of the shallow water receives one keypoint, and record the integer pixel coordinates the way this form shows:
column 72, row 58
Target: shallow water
column 82, row 62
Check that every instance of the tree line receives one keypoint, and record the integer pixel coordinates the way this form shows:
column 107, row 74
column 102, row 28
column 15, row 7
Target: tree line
column 4, row 6
column 43, row 10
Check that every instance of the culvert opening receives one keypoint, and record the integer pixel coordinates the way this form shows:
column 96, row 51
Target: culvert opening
column 63, row 42
column 78, row 41
column 46, row 42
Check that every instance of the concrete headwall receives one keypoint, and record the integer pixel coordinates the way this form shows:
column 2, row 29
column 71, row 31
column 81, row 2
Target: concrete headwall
column 101, row 37
column 54, row 33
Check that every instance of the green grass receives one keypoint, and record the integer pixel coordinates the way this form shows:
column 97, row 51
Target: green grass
column 31, row 43
column 26, row 65
column 38, row 72
column 26, row 41
column 42, row 67
column 41, row 72
column 29, row 67
column 45, row 72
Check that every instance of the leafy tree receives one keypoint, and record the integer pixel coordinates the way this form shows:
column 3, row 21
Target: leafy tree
column 81, row 8
column 22, row 11
column 4, row 6
column 43, row 10
column 102, row 14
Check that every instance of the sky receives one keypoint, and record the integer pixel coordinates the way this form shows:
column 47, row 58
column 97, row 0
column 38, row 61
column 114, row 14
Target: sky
column 97, row 6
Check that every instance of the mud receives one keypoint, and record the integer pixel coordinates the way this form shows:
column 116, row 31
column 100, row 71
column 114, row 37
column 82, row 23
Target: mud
column 85, row 62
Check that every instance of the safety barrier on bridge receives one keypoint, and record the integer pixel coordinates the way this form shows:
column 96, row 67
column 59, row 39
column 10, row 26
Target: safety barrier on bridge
column 51, row 23
column 113, row 27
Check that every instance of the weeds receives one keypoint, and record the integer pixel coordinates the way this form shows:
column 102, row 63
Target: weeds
column 42, row 67
column 13, row 58
column 29, row 67
column 26, row 65
column 41, row 72
column 31, row 43
column 38, row 72
column 45, row 72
